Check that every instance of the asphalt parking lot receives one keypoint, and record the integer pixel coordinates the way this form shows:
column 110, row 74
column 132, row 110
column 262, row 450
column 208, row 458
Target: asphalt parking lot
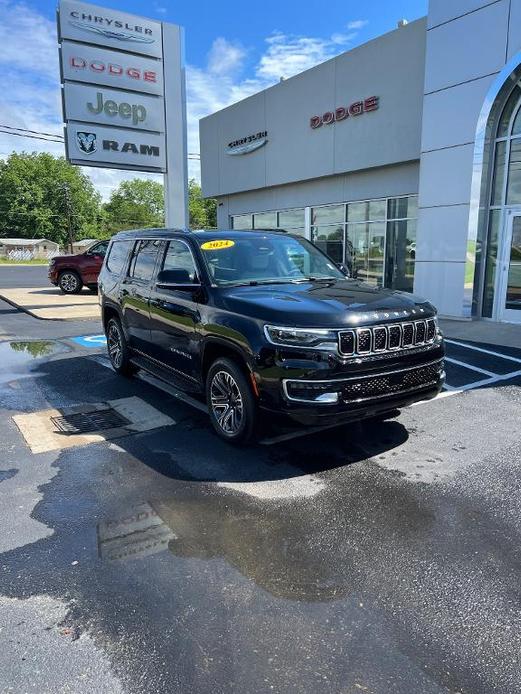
column 380, row 558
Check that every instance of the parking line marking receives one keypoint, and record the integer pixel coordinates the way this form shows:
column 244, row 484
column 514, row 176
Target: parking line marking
column 485, row 351
column 469, row 366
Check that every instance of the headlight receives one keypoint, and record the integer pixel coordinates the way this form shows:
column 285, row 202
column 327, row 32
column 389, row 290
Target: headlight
column 302, row 337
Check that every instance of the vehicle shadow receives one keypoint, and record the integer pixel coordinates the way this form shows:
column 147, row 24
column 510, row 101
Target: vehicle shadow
column 192, row 452
column 189, row 450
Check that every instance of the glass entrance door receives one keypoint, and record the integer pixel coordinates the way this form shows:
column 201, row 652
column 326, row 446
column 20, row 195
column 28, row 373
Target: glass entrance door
column 509, row 294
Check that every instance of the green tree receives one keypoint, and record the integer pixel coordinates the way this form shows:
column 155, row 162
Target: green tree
column 39, row 193
column 135, row 204
column 139, row 203
column 203, row 212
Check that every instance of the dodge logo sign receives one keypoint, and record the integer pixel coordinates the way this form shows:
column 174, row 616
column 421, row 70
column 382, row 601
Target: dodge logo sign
column 86, row 142
column 343, row 112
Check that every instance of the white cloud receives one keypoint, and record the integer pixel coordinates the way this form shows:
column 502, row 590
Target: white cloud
column 29, row 63
column 357, row 24
column 225, row 57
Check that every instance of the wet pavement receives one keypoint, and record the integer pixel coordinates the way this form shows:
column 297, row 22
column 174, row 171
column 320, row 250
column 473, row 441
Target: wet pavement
column 380, row 558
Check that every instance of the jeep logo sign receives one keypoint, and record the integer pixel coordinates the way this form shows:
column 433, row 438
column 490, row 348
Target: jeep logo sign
column 91, row 104
column 126, row 149
column 137, row 112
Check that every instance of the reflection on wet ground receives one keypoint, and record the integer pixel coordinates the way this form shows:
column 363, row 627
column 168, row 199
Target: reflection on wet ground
column 16, row 357
column 30, row 349
column 307, row 567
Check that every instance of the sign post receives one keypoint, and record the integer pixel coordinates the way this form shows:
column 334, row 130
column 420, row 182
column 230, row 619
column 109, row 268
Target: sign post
column 124, row 98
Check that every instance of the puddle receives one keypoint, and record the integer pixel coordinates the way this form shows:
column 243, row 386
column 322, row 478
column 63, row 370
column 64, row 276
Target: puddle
column 16, row 356
column 33, row 349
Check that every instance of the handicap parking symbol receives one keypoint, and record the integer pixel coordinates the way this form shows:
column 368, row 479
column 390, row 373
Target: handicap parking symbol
column 92, row 341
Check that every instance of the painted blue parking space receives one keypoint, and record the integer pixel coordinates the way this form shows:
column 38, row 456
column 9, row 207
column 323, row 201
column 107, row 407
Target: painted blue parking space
column 90, row 341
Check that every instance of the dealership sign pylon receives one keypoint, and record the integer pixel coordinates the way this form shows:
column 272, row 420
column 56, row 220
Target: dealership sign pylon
column 123, row 95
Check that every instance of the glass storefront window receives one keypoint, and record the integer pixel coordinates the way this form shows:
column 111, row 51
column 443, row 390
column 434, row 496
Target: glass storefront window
column 241, row 221
column 514, row 174
column 330, row 239
column 377, row 243
column 402, row 208
column 510, row 106
column 401, row 240
column 330, row 214
column 265, row 220
column 499, row 173
column 367, row 211
column 291, row 219
column 516, row 127
column 491, row 262
column 365, row 244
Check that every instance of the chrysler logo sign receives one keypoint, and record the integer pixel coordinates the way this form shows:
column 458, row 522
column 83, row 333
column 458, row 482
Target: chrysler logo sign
column 357, row 108
column 248, row 144
column 111, row 28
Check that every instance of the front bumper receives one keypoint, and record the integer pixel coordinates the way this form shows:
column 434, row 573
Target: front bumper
column 311, row 415
column 325, row 390
column 53, row 275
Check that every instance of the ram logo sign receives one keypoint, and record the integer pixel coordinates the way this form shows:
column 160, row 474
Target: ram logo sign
column 115, row 148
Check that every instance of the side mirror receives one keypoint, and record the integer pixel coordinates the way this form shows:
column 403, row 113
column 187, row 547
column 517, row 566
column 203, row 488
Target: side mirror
column 177, row 278
column 344, row 269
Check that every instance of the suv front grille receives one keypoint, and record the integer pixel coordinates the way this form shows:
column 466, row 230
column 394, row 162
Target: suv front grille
column 367, row 386
column 386, row 338
column 390, row 384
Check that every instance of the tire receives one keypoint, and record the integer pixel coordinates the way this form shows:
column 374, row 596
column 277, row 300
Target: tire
column 117, row 348
column 228, row 387
column 70, row 282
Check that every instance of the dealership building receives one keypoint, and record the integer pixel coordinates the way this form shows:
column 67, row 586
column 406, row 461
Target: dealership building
column 400, row 158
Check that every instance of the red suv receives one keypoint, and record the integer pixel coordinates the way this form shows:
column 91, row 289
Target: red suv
column 71, row 272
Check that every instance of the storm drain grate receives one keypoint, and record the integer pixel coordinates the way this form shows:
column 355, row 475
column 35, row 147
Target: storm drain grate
column 83, row 423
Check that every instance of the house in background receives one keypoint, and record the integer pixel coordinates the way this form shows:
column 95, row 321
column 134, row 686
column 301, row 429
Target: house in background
column 28, row 248
column 83, row 245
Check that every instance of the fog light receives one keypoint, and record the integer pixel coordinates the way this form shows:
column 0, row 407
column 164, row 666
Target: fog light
column 328, row 398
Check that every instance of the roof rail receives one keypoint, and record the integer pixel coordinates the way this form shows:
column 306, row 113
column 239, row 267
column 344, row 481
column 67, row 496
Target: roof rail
column 275, row 229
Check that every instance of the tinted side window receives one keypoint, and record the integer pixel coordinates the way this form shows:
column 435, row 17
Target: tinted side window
column 117, row 256
column 144, row 259
column 99, row 248
column 179, row 257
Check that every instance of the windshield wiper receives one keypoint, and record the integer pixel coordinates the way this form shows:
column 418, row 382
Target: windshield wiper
column 255, row 283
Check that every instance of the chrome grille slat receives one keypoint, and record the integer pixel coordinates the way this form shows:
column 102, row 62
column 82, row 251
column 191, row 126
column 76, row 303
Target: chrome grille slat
column 382, row 339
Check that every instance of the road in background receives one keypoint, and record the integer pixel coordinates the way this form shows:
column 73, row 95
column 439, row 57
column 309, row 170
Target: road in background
column 14, row 276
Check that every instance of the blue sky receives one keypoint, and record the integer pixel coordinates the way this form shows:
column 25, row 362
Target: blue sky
column 233, row 49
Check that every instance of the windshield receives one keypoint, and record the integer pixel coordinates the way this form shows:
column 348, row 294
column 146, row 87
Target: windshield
column 270, row 259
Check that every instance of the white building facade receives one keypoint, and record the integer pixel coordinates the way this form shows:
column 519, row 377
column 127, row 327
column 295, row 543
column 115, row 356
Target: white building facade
column 401, row 158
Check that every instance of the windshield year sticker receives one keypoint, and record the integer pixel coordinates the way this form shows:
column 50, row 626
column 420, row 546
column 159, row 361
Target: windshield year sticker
column 217, row 245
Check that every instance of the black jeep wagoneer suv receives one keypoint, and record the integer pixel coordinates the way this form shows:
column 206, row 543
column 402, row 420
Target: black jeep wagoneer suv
column 264, row 322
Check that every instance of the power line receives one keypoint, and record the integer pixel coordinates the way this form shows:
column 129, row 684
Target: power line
column 34, row 132
column 32, row 137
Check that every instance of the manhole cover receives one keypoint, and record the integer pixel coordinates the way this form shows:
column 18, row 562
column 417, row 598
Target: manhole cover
column 82, row 423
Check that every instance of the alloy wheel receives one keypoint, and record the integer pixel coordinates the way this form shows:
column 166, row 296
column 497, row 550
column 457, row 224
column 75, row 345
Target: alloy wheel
column 68, row 282
column 115, row 346
column 226, row 402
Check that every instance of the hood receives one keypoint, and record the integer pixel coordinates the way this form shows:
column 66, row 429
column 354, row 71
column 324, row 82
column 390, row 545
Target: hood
column 66, row 258
column 335, row 303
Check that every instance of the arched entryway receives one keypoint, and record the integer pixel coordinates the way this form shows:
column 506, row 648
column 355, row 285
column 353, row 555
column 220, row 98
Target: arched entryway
column 494, row 242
